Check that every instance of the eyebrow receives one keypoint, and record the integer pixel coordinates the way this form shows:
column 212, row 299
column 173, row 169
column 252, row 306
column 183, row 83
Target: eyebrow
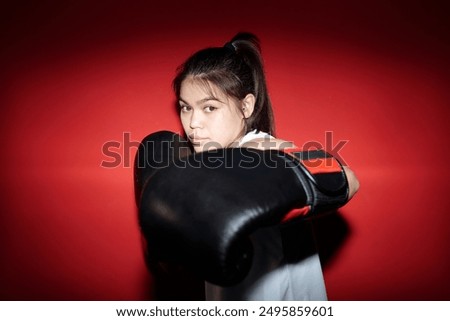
column 201, row 101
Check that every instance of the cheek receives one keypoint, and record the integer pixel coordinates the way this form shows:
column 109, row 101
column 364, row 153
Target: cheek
column 230, row 128
column 236, row 122
column 184, row 121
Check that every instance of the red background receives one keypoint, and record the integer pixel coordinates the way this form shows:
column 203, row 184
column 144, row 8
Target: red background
column 75, row 76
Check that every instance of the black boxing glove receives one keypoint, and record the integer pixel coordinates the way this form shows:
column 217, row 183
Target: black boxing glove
column 200, row 213
column 326, row 184
column 170, row 281
column 157, row 150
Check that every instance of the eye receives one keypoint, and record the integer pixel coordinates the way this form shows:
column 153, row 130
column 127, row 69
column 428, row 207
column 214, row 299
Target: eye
column 209, row 109
column 185, row 108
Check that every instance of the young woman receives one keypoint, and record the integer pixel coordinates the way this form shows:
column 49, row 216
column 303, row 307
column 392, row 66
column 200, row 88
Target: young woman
column 224, row 103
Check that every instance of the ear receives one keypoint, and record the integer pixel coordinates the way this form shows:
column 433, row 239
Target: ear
column 248, row 105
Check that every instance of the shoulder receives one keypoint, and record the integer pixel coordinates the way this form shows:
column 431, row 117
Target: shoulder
column 261, row 140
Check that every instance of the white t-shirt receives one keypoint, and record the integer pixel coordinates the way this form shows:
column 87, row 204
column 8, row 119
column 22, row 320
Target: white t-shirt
column 254, row 134
column 285, row 266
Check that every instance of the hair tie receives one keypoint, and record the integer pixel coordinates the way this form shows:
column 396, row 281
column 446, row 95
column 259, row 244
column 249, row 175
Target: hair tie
column 230, row 46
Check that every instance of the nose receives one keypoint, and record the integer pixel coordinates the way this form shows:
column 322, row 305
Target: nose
column 196, row 120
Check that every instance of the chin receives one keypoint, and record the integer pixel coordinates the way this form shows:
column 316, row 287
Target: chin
column 206, row 148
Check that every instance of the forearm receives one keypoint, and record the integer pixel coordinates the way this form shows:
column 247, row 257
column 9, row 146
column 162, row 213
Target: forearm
column 353, row 183
column 262, row 144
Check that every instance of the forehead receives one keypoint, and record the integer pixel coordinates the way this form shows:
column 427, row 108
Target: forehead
column 200, row 88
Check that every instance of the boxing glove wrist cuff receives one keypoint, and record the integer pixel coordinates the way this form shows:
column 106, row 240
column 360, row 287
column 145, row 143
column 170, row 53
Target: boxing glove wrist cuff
column 323, row 178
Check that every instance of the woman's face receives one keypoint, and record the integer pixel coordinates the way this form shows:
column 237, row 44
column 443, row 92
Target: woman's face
column 209, row 117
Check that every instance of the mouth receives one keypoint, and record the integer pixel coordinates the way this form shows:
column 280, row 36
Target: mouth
column 198, row 143
column 195, row 140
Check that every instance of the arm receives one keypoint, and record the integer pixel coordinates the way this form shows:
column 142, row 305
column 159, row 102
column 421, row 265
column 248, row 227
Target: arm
column 274, row 143
column 200, row 213
column 353, row 183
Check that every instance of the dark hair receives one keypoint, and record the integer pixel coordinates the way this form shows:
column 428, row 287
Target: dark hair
column 237, row 69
